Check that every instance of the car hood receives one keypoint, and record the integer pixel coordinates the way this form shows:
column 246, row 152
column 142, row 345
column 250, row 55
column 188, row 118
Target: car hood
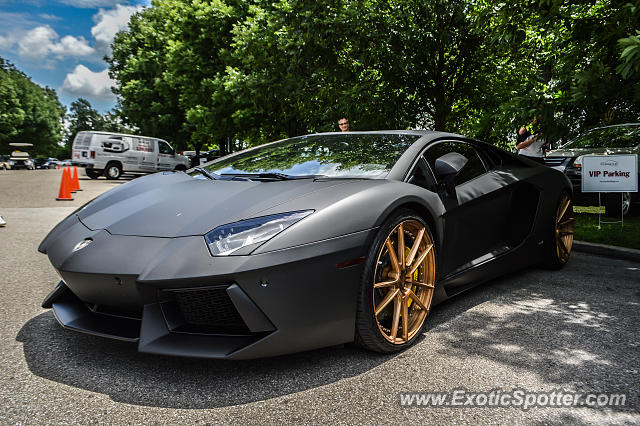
column 175, row 204
column 576, row 152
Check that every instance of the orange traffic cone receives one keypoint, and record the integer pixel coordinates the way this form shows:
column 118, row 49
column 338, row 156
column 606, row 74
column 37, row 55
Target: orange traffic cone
column 58, row 166
column 75, row 183
column 65, row 187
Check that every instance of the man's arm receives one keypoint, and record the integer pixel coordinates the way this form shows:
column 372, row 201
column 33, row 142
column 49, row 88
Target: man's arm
column 523, row 145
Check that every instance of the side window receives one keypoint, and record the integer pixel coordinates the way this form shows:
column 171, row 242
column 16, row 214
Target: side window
column 164, row 148
column 421, row 176
column 471, row 170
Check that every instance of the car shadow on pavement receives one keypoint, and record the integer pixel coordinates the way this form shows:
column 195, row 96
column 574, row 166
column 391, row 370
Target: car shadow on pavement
column 571, row 335
column 117, row 369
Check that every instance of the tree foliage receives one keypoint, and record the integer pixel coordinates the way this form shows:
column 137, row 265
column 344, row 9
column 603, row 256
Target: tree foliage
column 203, row 71
column 28, row 113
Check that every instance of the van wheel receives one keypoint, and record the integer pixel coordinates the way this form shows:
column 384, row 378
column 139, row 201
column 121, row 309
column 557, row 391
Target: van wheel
column 113, row 171
column 93, row 174
column 180, row 168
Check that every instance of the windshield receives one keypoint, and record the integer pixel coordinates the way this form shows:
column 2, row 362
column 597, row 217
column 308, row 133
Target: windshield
column 607, row 137
column 336, row 155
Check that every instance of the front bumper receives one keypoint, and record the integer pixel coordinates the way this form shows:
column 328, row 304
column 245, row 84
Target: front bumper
column 171, row 297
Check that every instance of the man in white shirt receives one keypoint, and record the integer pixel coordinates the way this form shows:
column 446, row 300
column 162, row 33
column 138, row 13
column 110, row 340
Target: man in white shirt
column 532, row 147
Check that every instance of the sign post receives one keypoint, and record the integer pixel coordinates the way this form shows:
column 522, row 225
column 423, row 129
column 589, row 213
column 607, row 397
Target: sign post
column 610, row 173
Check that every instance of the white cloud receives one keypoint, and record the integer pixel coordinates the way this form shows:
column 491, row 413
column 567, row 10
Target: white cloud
column 41, row 41
column 50, row 17
column 6, row 42
column 72, row 46
column 83, row 82
column 90, row 4
column 109, row 22
column 36, row 43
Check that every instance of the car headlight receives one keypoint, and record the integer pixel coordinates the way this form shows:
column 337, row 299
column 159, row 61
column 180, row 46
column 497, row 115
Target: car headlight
column 226, row 239
column 578, row 162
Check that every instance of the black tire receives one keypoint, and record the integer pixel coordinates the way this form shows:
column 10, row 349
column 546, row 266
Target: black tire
column 375, row 331
column 617, row 204
column 93, row 174
column 558, row 246
column 180, row 168
column 113, row 171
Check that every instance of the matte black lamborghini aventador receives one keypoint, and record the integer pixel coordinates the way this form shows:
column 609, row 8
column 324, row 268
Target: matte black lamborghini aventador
column 303, row 243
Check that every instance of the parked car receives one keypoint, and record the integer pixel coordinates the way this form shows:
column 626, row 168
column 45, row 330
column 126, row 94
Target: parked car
column 46, row 163
column 21, row 160
column 608, row 140
column 205, row 157
column 111, row 154
column 307, row 242
column 4, row 162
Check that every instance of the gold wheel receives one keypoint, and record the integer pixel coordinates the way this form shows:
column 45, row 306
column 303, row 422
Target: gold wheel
column 564, row 229
column 403, row 282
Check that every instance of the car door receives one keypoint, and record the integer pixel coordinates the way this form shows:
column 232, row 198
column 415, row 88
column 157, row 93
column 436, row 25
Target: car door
column 166, row 156
column 145, row 154
column 476, row 208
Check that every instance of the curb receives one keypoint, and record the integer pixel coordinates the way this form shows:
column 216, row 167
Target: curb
column 608, row 251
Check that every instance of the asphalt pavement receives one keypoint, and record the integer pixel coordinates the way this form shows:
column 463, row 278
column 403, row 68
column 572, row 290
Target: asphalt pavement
column 536, row 330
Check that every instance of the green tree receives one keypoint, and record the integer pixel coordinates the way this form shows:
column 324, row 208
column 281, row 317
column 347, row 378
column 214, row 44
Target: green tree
column 28, row 112
column 569, row 65
column 82, row 116
column 170, row 66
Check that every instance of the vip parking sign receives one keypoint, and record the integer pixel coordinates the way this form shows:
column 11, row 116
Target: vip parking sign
column 610, row 173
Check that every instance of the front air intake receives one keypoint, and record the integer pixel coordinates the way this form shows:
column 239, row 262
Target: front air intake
column 207, row 310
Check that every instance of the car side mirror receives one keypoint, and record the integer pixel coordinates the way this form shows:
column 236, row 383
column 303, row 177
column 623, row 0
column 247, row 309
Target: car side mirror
column 449, row 165
column 446, row 169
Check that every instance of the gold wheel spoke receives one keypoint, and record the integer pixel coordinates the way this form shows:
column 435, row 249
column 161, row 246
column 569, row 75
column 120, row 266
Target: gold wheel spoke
column 562, row 246
column 421, row 284
column 565, row 222
column 392, row 256
column 405, row 318
column 420, row 259
column 390, row 295
column 416, row 246
column 401, row 245
column 564, row 208
column 384, row 284
column 396, row 317
column 416, row 300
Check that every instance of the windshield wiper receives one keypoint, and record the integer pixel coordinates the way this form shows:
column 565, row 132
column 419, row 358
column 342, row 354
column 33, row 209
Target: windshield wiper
column 206, row 173
column 271, row 176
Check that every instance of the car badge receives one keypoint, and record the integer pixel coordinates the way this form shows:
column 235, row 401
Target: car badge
column 82, row 244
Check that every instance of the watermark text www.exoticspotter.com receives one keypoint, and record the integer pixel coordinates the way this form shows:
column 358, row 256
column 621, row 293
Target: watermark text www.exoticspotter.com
column 518, row 398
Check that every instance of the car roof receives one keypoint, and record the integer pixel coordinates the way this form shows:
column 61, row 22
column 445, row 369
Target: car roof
column 612, row 126
column 99, row 132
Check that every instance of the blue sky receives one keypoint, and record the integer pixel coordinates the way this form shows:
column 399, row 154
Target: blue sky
column 61, row 43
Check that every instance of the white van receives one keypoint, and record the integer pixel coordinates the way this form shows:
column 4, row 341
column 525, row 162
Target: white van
column 111, row 154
